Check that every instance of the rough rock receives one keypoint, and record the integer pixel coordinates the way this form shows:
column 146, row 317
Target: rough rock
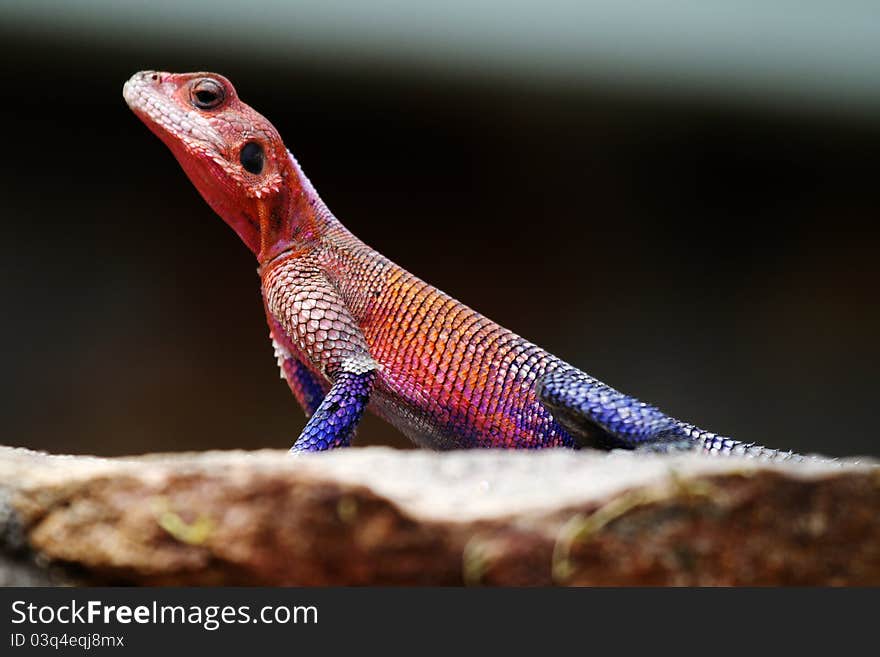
column 382, row 516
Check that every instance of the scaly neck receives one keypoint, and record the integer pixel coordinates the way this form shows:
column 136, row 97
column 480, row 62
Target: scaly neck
column 296, row 224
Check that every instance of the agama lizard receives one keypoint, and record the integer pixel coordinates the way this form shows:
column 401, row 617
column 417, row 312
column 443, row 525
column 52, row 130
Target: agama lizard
column 352, row 330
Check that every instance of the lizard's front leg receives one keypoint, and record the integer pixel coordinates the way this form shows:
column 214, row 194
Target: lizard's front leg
column 307, row 389
column 306, row 306
column 334, row 422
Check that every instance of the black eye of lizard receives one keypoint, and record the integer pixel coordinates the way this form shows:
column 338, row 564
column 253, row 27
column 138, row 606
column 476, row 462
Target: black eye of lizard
column 251, row 157
column 207, row 93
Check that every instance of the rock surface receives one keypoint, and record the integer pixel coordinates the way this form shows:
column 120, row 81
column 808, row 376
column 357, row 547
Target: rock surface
column 381, row 516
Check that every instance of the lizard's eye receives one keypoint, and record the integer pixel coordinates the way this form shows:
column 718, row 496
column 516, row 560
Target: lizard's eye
column 207, row 93
column 252, row 157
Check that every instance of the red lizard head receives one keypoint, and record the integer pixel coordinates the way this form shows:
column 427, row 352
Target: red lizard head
column 230, row 152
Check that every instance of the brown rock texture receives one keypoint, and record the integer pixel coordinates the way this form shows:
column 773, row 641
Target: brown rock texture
column 386, row 517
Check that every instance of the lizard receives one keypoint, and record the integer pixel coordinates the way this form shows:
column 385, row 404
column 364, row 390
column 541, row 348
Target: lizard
column 352, row 330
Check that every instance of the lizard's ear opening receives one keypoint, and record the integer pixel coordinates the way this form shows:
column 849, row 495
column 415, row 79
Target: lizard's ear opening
column 252, row 157
column 255, row 166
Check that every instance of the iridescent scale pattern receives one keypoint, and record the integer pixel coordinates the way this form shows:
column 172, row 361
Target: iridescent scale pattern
column 445, row 375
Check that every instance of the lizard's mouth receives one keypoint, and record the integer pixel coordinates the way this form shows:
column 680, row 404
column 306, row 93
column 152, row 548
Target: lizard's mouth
column 152, row 99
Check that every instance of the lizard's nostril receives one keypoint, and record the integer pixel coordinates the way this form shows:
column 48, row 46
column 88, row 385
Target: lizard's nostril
column 154, row 77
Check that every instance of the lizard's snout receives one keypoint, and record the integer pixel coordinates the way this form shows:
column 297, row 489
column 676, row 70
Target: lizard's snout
column 149, row 76
column 138, row 82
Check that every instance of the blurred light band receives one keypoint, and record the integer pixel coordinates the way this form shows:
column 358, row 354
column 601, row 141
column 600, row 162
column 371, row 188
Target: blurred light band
column 811, row 53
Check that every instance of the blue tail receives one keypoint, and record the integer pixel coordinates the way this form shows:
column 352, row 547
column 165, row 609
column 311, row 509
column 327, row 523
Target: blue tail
column 597, row 415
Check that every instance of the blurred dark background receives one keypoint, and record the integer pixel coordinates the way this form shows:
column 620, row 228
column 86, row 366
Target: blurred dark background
column 689, row 215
